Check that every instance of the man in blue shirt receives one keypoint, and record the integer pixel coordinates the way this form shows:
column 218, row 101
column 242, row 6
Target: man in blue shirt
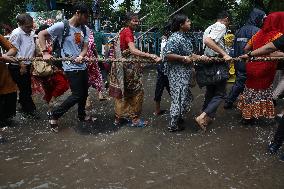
column 74, row 45
column 242, row 36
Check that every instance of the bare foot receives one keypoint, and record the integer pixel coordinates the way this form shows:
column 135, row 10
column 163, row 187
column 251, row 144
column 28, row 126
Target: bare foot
column 201, row 122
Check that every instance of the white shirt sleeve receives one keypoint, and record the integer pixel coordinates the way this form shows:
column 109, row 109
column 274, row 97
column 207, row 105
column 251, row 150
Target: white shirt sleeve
column 163, row 44
column 15, row 39
column 217, row 32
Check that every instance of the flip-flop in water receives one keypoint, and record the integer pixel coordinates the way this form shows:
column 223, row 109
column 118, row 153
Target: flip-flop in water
column 121, row 121
column 141, row 123
column 53, row 126
column 116, row 122
column 52, row 123
column 88, row 119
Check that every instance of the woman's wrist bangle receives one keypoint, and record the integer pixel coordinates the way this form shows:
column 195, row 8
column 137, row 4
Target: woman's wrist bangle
column 152, row 56
column 184, row 58
column 249, row 54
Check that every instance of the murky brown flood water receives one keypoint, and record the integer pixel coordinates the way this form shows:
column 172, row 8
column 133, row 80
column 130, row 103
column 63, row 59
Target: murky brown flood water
column 103, row 156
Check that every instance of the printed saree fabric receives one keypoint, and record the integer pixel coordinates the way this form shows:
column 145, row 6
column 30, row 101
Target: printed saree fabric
column 125, row 77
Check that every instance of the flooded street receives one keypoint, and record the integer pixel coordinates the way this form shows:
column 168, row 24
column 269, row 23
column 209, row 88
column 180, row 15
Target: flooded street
column 103, row 156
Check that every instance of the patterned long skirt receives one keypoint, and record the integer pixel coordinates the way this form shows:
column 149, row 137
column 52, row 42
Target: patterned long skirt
column 129, row 107
column 181, row 96
column 256, row 103
column 130, row 104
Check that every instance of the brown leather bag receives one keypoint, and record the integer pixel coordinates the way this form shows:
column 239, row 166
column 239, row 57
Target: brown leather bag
column 42, row 69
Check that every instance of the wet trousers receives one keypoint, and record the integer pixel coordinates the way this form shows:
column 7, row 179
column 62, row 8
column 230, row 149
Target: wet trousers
column 279, row 135
column 279, row 85
column 23, row 82
column 162, row 83
column 239, row 84
column 8, row 104
column 213, row 97
column 78, row 81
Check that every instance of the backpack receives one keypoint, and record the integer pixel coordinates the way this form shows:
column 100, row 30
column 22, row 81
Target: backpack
column 57, row 45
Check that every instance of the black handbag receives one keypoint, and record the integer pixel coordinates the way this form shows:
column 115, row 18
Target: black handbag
column 211, row 73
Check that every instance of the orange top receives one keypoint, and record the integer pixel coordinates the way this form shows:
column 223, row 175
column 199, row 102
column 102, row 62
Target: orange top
column 7, row 85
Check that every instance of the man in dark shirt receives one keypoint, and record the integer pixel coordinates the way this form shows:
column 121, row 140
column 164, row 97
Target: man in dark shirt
column 273, row 46
column 242, row 36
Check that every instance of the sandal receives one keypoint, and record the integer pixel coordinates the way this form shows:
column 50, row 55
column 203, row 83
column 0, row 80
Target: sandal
column 53, row 125
column 52, row 122
column 141, row 123
column 162, row 112
column 88, row 119
column 121, row 121
column 116, row 122
column 200, row 124
column 175, row 128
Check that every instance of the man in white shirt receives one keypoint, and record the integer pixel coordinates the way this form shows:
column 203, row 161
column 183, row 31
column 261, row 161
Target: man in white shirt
column 23, row 39
column 213, row 43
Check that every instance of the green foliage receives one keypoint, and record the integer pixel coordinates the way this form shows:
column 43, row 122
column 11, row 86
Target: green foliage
column 9, row 9
column 241, row 12
column 158, row 13
column 127, row 5
column 201, row 12
column 275, row 5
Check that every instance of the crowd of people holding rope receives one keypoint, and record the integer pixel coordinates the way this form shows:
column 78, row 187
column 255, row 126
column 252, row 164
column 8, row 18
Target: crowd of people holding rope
column 67, row 58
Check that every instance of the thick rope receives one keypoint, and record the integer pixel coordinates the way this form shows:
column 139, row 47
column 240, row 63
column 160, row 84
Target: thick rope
column 149, row 61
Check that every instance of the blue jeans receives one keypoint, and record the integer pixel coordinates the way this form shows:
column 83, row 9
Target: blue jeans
column 239, row 84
